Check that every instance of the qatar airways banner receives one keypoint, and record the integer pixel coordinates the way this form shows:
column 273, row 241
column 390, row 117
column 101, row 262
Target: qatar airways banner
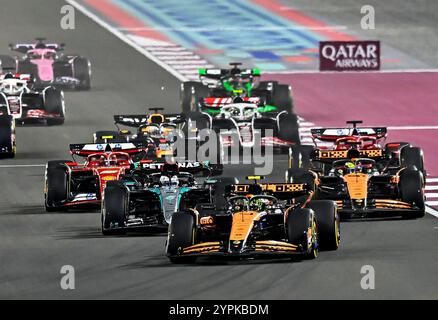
column 349, row 55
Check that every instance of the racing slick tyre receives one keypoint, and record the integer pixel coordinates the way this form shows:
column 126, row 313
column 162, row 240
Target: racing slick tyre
column 411, row 187
column 56, row 186
column 219, row 191
column 302, row 231
column 7, row 64
column 328, row 220
column 114, row 209
column 213, row 152
column 288, row 128
column 56, row 163
column 300, row 156
column 24, row 67
column 190, row 93
column 412, row 156
column 7, row 133
column 54, row 103
column 282, row 97
column 198, row 120
column 82, row 72
column 301, row 175
column 392, row 148
column 181, row 235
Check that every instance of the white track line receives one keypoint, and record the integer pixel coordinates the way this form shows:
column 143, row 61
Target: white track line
column 431, row 187
column 432, row 180
column 21, row 165
column 432, row 211
column 125, row 39
column 431, row 195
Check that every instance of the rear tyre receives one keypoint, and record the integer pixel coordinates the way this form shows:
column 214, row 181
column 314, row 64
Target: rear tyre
column 300, row 156
column 328, row 220
column 24, row 67
column 82, row 72
column 198, row 120
column 54, row 103
column 411, row 187
column 7, row 64
column 288, row 128
column 412, row 156
column 181, row 235
column 300, row 175
column 219, row 191
column 190, row 93
column 302, row 231
column 282, row 97
column 56, row 187
column 114, row 209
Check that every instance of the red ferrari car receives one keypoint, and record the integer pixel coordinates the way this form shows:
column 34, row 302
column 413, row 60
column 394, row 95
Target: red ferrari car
column 70, row 184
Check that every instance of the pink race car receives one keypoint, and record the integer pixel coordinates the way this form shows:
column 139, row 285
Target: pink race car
column 48, row 66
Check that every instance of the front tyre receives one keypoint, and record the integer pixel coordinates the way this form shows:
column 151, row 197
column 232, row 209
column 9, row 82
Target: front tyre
column 7, row 136
column 411, row 188
column 328, row 220
column 54, row 104
column 56, row 187
column 302, row 231
column 181, row 235
column 114, row 209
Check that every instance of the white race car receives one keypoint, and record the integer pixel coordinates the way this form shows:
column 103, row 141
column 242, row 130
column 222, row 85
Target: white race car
column 19, row 100
column 242, row 119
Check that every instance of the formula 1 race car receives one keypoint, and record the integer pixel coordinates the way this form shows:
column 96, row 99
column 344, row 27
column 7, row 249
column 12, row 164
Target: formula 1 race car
column 364, row 178
column 48, row 66
column 247, row 122
column 7, row 135
column 273, row 219
column 363, row 142
column 149, row 195
column 70, row 184
column 157, row 129
column 19, row 99
column 234, row 82
column 165, row 134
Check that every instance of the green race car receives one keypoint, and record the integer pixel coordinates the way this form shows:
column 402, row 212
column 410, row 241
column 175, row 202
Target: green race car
column 235, row 82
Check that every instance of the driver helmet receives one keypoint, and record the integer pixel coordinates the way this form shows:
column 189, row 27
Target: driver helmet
column 174, row 181
column 164, row 180
column 257, row 205
column 349, row 167
column 113, row 160
column 151, row 130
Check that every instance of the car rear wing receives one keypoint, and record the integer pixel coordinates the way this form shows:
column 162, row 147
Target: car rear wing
column 136, row 121
column 85, row 149
column 333, row 155
column 218, row 74
column 25, row 47
column 333, row 134
column 18, row 76
column 192, row 167
column 213, row 102
column 282, row 191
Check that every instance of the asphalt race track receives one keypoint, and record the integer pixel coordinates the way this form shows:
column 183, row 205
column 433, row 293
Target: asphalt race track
column 34, row 245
